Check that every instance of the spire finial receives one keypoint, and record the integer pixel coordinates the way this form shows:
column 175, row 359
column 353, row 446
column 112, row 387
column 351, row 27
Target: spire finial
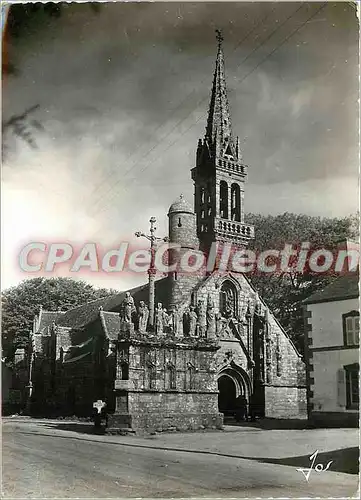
column 219, row 37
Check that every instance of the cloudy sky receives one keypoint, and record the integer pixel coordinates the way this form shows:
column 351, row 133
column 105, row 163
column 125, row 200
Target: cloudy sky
column 123, row 96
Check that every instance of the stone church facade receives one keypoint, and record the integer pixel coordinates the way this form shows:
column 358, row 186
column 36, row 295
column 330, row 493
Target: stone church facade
column 213, row 340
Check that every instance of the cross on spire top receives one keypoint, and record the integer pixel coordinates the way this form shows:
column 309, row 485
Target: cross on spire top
column 219, row 36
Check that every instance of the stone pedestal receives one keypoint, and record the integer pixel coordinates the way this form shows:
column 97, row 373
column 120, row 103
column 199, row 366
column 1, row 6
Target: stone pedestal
column 119, row 423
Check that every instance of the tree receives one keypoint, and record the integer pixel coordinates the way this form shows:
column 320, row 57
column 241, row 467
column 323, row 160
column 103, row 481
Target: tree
column 22, row 302
column 22, row 127
column 285, row 291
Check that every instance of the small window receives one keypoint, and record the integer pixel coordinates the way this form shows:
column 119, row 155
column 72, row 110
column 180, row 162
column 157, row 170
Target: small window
column 179, row 222
column 223, row 200
column 352, row 386
column 351, row 328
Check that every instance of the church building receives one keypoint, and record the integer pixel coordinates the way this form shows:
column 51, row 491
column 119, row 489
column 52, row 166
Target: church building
column 186, row 355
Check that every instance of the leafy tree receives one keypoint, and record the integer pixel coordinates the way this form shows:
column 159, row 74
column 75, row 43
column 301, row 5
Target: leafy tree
column 22, row 302
column 285, row 291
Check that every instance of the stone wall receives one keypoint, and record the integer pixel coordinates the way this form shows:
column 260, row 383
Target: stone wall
column 286, row 402
column 176, row 410
column 286, row 366
column 171, row 385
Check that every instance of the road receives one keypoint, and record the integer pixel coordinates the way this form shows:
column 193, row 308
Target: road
column 45, row 460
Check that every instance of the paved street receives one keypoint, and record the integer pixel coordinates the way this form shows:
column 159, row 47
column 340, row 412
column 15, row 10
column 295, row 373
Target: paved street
column 47, row 459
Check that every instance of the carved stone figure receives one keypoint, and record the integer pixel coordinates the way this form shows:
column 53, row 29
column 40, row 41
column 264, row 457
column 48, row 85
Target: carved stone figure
column 186, row 323
column 258, row 308
column 174, row 320
column 143, row 315
column 193, row 320
column 268, row 359
column 211, row 319
column 159, row 319
column 202, row 318
column 111, row 349
column 219, row 323
column 128, row 308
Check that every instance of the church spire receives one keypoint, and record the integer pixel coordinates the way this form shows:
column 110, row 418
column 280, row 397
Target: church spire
column 219, row 175
column 219, row 126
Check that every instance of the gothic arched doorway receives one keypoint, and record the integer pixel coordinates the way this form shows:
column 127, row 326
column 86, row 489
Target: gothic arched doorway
column 227, row 395
column 234, row 390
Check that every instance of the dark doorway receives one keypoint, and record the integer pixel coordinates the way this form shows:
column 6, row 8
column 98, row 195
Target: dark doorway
column 227, row 395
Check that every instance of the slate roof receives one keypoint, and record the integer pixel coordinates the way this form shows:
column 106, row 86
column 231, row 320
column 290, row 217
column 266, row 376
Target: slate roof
column 343, row 288
column 47, row 318
column 181, row 205
column 111, row 324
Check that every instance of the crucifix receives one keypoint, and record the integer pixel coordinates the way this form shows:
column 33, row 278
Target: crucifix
column 152, row 270
column 99, row 405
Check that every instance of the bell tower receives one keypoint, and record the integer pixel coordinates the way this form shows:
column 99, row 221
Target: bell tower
column 219, row 175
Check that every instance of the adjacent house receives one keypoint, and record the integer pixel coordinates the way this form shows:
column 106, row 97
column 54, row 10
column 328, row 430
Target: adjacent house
column 332, row 353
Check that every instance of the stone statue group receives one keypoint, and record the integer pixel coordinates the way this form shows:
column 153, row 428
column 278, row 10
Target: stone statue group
column 195, row 321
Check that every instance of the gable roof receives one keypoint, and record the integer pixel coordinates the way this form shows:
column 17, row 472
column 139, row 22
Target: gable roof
column 46, row 319
column 343, row 288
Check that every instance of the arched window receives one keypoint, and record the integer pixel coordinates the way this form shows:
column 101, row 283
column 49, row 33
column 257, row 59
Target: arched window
column 202, row 194
column 228, row 300
column 209, row 191
column 170, row 377
column 236, row 203
column 223, row 200
column 191, row 385
column 151, row 375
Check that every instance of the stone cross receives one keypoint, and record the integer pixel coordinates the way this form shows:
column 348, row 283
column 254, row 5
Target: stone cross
column 99, row 405
column 152, row 269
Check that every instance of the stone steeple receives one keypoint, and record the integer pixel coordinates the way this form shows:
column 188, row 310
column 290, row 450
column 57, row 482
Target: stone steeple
column 220, row 174
column 219, row 126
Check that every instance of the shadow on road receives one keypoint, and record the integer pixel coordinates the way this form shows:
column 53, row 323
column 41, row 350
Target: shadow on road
column 345, row 460
column 81, row 428
column 269, row 423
